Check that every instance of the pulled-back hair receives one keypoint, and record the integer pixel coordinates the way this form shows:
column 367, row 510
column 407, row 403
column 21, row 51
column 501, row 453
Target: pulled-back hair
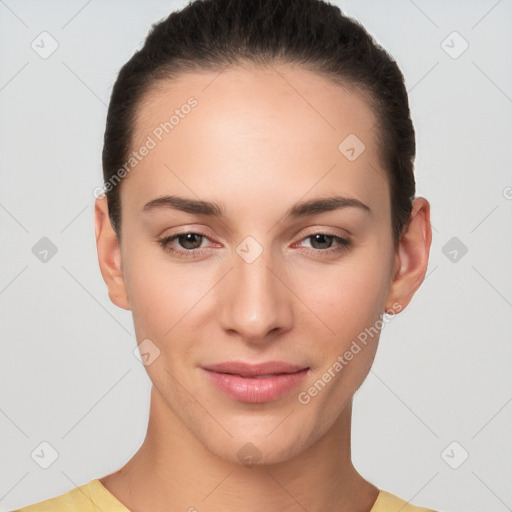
column 214, row 34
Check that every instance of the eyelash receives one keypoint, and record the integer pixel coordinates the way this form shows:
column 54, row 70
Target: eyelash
column 343, row 244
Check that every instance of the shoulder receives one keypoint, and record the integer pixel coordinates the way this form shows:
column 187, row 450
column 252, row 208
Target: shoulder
column 76, row 499
column 85, row 498
column 387, row 502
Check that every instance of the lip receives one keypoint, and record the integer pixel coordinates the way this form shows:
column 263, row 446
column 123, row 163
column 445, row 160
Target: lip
column 253, row 370
column 255, row 383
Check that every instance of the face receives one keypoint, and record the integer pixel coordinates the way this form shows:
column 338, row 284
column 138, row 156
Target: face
column 248, row 264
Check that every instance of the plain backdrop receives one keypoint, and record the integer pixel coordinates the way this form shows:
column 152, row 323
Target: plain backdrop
column 432, row 422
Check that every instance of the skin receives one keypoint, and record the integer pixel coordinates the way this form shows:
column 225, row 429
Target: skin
column 257, row 146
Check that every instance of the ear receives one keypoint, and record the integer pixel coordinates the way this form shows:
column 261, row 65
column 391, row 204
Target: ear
column 411, row 258
column 109, row 254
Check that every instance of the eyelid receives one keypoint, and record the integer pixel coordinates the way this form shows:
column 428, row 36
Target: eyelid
column 199, row 232
column 324, row 230
column 311, row 231
column 176, row 231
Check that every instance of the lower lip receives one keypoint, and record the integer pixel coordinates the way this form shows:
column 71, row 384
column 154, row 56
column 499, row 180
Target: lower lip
column 256, row 391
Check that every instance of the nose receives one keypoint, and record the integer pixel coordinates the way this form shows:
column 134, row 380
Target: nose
column 254, row 300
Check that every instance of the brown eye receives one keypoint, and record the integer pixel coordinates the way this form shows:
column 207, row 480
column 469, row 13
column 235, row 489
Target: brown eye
column 325, row 244
column 190, row 240
column 321, row 241
column 184, row 244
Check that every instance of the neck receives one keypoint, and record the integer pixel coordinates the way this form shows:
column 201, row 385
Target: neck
column 172, row 467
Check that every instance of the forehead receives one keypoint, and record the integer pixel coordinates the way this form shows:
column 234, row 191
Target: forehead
column 281, row 127
column 258, row 97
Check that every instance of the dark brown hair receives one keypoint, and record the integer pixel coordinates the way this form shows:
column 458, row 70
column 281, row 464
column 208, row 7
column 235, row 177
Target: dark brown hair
column 214, row 34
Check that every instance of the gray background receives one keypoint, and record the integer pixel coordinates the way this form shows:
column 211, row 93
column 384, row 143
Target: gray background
column 68, row 375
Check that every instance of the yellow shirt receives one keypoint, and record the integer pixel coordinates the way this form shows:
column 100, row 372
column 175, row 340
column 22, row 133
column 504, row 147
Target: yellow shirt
column 94, row 496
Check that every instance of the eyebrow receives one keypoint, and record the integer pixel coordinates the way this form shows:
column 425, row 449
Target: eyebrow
column 301, row 209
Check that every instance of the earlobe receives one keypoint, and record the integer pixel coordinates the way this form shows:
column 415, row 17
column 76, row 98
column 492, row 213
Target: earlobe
column 109, row 255
column 411, row 259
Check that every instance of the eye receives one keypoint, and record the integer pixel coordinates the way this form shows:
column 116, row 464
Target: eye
column 190, row 240
column 190, row 243
column 322, row 243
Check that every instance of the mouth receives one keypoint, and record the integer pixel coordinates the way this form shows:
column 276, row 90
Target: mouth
column 255, row 383
column 268, row 368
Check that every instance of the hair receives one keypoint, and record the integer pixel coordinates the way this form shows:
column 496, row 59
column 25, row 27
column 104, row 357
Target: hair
column 214, row 34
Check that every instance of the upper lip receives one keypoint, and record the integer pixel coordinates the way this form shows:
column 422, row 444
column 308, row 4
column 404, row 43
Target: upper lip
column 253, row 370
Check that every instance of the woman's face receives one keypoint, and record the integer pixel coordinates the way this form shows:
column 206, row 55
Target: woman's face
column 263, row 279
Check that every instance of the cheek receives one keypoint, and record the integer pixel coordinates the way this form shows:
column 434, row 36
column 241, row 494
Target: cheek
column 165, row 297
column 153, row 295
column 347, row 297
column 349, row 301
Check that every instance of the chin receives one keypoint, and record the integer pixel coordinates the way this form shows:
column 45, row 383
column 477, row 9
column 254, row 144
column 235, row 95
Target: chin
column 266, row 445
